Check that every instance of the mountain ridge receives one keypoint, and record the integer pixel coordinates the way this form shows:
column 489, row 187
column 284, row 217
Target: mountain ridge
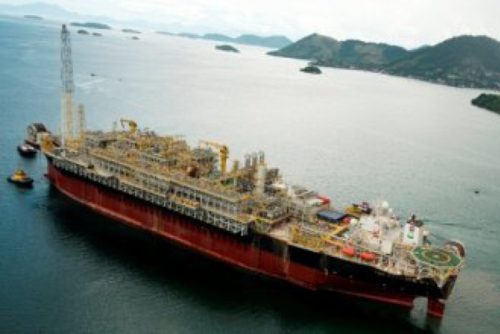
column 56, row 12
column 273, row 41
column 461, row 61
column 351, row 53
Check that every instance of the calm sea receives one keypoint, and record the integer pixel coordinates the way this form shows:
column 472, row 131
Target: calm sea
column 348, row 134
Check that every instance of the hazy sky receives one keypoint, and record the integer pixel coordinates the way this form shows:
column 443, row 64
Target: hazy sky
column 406, row 22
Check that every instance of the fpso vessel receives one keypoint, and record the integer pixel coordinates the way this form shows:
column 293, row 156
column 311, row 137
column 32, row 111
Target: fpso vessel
column 248, row 217
column 245, row 214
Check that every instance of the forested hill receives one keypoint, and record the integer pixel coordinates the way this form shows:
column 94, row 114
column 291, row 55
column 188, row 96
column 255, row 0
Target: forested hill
column 463, row 61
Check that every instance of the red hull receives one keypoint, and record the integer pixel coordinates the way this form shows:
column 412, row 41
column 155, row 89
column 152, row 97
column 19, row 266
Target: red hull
column 216, row 244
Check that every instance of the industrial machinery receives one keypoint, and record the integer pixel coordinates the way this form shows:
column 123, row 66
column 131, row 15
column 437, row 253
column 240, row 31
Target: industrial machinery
column 223, row 153
column 132, row 125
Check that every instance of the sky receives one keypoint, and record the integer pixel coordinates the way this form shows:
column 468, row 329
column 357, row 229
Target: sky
column 409, row 23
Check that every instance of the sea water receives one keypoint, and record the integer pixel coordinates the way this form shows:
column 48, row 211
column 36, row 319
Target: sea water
column 350, row 135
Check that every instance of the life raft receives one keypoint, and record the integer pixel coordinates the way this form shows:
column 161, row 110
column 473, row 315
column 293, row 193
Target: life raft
column 367, row 256
column 349, row 251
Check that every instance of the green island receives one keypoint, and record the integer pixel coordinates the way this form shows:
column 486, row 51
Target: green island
column 94, row 25
column 311, row 69
column 488, row 101
column 227, row 48
column 131, row 31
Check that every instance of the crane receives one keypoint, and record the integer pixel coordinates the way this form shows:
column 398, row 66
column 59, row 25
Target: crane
column 223, row 153
column 68, row 86
column 132, row 125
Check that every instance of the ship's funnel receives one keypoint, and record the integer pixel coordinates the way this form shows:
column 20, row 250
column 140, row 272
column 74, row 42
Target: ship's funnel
column 236, row 166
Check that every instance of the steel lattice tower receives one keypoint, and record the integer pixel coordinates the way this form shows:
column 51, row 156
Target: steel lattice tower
column 68, row 86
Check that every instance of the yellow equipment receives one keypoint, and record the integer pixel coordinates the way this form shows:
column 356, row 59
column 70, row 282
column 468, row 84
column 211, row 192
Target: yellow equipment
column 47, row 144
column 223, row 153
column 132, row 125
column 19, row 175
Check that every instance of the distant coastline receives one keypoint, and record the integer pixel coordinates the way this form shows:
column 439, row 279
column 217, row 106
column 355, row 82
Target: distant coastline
column 463, row 61
column 33, row 17
column 274, row 42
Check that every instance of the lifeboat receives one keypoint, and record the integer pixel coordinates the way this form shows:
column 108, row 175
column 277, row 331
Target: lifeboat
column 367, row 256
column 20, row 179
column 349, row 251
column 26, row 150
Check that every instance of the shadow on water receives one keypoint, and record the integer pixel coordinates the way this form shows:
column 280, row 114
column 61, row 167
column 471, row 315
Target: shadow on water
column 208, row 282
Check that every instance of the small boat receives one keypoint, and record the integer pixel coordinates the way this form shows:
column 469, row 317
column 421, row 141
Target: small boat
column 27, row 150
column 21, row 179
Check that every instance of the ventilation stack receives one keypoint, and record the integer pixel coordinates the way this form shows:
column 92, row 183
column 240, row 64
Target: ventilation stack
column 260, row 178
column 248, row 163
column 236, row 166
column 81, row 121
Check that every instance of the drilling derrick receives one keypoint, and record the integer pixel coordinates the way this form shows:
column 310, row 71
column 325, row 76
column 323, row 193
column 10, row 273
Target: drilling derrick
column 67, row 87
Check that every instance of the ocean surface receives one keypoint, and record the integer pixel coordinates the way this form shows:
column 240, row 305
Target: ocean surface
column 351, row 135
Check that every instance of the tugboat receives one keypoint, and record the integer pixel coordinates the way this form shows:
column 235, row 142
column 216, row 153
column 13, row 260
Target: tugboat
column 21, row 179
column 26, row 150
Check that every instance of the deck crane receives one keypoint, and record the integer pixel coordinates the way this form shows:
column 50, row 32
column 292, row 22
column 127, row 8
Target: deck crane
column 223, row 153
column 132, row 125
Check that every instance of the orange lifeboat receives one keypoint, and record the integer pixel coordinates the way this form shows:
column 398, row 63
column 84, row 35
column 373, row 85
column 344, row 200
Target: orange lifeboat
column 349, row 251
column 367, row 256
